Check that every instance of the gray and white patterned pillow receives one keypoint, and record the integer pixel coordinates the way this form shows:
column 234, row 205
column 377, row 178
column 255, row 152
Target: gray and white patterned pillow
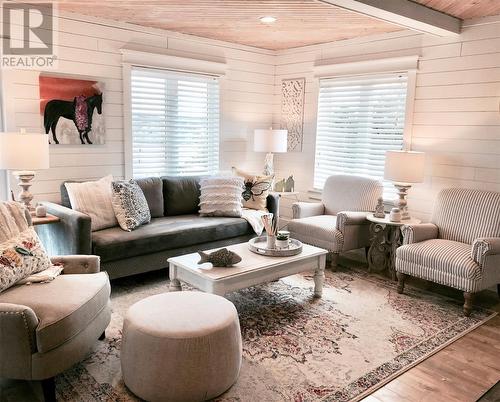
column 221, row 196
column 130, row 205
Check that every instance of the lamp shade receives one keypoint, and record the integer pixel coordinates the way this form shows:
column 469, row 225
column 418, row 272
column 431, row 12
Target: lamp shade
column 19, row 151
column 270, row 140
column 404, row 166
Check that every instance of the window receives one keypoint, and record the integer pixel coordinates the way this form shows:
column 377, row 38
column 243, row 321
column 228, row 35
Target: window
column 175, row 123
column 359, row 118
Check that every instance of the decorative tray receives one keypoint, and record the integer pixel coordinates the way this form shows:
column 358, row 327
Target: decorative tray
column 259, row 246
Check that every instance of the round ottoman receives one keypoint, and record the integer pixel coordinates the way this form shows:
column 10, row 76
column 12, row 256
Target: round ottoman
column 181, row 346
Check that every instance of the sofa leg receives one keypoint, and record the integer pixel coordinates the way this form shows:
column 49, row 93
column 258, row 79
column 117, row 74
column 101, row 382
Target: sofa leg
column 334, row 260
column 103, row 336
column 498, row 290
column 468, row 296
column 367, row 250
column 49, row 389
column 401, row 281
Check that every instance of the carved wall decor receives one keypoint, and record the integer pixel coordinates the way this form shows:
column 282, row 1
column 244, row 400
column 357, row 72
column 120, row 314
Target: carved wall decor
column 292, row 111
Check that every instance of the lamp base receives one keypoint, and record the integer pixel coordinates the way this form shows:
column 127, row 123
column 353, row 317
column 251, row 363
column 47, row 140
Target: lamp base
column 25, row 178
column 269, row 164
column 401, row 202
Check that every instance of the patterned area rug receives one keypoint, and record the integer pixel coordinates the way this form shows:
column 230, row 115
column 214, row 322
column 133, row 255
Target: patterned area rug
column 357, row 337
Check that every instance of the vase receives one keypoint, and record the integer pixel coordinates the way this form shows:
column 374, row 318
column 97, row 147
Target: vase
column 271, row 242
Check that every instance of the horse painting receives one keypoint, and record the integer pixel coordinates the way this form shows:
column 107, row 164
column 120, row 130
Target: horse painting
column 80, row 111
column 71, row 109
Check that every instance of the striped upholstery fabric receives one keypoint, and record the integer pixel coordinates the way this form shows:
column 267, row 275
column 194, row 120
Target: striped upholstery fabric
column 350, row 193
column 319, row 231
column 466, row 254
column 464, row 214
column 442, row 261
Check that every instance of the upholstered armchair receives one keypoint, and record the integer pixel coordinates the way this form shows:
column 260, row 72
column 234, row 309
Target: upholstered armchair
column 338, row 223
column 45, row 328
column 459, row 248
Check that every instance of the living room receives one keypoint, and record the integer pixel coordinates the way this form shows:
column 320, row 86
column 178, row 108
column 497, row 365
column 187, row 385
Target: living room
column 347, row 154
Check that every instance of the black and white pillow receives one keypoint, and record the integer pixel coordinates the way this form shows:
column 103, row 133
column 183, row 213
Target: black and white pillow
column 130, row 205
column 221, row 196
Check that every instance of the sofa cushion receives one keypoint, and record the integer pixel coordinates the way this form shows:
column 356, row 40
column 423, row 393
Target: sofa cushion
column 164, row 234
column 152, row 187
column 181, row 195
column 64, row 307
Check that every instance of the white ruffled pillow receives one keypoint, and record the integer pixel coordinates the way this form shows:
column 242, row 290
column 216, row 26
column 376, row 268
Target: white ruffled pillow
column 221, row 196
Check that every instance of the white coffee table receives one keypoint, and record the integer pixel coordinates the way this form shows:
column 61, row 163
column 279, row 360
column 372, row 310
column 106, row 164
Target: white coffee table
column 254, row 269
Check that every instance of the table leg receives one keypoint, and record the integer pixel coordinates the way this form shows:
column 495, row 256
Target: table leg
column 319, row 276
column 378, row 252
column 175, row 285
column 395, row 242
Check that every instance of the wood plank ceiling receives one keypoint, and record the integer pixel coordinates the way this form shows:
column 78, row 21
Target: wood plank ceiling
column 299, row 22
column 464, row 9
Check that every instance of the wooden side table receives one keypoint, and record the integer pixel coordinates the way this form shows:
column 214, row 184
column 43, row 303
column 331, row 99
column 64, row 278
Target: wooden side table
column 385, row 239
column 46, row 220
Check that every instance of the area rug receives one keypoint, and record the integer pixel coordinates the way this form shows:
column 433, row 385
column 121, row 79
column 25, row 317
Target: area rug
column 357, row 337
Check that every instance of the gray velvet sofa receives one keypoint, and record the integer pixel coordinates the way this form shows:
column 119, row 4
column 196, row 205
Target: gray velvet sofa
column 175, row 229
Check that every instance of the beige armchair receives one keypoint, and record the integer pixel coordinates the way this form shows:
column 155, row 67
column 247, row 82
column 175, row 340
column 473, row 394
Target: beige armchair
column 47, row 328
column 460, row 248
column 338, row 223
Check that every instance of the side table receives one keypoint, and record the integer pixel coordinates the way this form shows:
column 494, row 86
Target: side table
column 46, row 220
column 385, row 239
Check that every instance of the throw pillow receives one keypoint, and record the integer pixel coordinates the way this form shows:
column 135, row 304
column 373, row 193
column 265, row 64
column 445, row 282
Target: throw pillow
column 94, row 199
column 20, row 257
column 130, row 205
column 255, row 190
column 221, row 196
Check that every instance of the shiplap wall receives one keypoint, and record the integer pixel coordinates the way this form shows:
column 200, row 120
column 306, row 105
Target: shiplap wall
column 90, row 48
column 456, row 117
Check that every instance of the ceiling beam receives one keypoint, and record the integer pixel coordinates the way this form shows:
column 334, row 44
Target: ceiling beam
column 404, row 13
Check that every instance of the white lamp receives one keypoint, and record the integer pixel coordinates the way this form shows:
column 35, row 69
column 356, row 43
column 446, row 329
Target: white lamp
column 404, row 168
column 270, row 141
column 24, row 153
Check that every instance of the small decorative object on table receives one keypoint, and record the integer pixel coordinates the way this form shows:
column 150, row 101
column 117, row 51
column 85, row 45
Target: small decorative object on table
column 282, row 239
column 220, row 258
column 279, row 186
column 41, row 211
column 379, row 209
column 395, row 215
column 271, row 227
column 289, row 185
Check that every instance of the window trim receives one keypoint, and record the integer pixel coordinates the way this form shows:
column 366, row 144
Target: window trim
column 332, row 69
column 162, row 61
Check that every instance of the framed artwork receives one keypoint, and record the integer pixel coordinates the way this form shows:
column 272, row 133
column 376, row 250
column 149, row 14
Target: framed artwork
column 292, row 111
column 72, row 110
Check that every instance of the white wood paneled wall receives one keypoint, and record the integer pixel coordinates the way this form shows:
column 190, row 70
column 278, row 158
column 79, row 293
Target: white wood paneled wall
column 456, row 111
column 91, row 48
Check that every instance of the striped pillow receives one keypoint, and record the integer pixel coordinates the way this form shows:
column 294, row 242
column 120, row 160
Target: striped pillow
column 94, row 199
column 221, row 196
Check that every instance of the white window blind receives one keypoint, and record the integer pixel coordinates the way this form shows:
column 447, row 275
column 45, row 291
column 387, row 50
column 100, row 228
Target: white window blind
column 359, row 118
column 175, row 123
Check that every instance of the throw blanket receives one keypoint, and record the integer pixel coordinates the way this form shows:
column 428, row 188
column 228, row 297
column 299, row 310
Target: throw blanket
column 12, row 220
column 254, row 218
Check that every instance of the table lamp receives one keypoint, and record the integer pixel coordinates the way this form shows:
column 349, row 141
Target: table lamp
column 24, row 153
column 404, row 168
column 270, row 141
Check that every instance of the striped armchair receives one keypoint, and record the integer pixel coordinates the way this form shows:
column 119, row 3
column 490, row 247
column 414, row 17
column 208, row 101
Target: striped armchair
column 459, row 248
column 338, row 223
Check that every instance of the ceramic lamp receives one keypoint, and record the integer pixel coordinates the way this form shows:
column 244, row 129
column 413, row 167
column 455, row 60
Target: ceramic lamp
column 24, row 153
column 270, row 141
column 404, row 168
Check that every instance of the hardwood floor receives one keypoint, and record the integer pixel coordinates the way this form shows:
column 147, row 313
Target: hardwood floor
column 461, row 372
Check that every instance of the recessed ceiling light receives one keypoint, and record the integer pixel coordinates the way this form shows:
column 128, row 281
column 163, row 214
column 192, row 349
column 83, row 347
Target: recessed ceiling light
column 268, row 19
